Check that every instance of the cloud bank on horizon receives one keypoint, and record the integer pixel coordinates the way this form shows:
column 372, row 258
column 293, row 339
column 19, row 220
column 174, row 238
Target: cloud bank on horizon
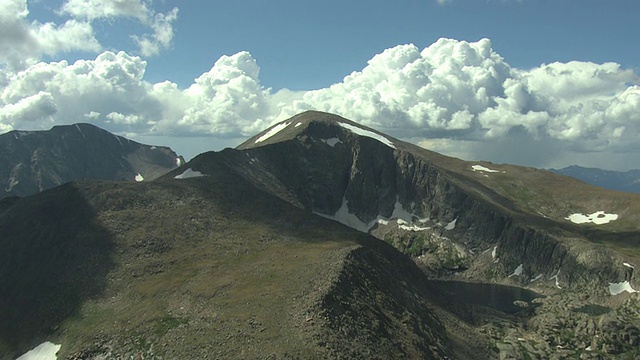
column 452, row 96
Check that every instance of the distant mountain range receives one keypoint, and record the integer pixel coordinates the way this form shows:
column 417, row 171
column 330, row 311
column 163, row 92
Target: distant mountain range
column 628, row 181
column 32, row 161
column 319, row 238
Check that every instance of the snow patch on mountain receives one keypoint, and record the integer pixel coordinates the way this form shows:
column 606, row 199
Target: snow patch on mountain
column 189, row 174
column 80, row 131
column 345, row 217
column 598, row 218
column 331, row 142
column 274, row 130
column 400, row 213
column 517, row 271
column 45, row 351
column 619, row 288
column 556, row 279
column 413, row 227
column 404, row 219
column 362, row 132
column 536, row 278
column 139, row 178
column 404, row 225
column 451, row 225
column 482, row 168
column 119, row 140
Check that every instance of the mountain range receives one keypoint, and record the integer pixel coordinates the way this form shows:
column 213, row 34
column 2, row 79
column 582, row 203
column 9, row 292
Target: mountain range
column 627, row 181
column 33, row 161
column 321, row 238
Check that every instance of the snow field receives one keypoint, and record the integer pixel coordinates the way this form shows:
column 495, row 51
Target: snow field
column 517, row 271
column 619, row 288
column 598, row 218
column 274, row 130
column 370, row 134
column 45, row 351
column 189, row 174
column 482, row 168
column 331, row 142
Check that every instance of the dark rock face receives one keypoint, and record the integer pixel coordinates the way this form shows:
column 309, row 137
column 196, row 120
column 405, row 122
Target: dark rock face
column 32, row 161
column 321, row 166
column 498, row 224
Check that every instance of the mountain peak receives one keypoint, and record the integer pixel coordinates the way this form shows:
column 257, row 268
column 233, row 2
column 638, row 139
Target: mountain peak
column 32, row 161
column 320, row 125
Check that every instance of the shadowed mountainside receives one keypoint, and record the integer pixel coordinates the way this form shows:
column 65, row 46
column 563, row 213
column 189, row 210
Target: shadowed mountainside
column 55, row 256
column 207, row 267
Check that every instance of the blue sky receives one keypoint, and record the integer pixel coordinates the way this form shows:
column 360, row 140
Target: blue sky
column 305, row 45
column 257, row 60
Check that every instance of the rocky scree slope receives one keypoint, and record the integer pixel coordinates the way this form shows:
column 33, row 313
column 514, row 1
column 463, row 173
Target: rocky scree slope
column 492, row 220
column 32, row 161
column 206, row 266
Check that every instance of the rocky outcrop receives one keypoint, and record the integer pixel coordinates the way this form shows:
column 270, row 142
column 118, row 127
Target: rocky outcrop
column 380, row 301
column 32, row 161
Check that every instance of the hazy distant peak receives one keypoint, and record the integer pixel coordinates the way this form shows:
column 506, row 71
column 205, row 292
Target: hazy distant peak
column 32, row 161
column 627, row 181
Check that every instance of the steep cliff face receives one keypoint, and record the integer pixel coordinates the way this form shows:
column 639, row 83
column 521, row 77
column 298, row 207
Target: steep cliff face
column 32, row 161
column 495, row 220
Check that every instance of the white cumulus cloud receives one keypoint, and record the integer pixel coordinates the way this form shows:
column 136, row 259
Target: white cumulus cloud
column 22, row 40
column 456, row 96
column 466, row 90
column 112, row 83
column 160, row 24
column 99, row 9
column 227, row 100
